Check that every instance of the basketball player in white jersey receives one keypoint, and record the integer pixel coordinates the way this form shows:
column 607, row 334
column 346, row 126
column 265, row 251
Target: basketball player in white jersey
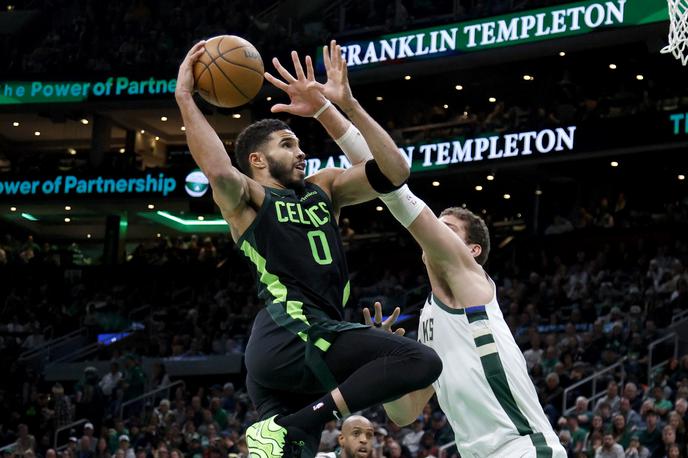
column 484, row 388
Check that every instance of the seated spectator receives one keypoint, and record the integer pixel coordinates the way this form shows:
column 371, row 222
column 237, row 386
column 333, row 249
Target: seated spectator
column 635, row 449
column 609, row 448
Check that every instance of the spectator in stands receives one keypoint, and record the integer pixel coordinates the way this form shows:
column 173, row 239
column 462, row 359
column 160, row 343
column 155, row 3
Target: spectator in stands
column 611, row 398
column 134, row 378
column 412, row 439
column 533, row 355
column 88, row 432
column 596, row 430
column 329, row 437
column 227, row 398
column 62, row 407
column 219, row 414
column 581, row 411
column 566, row 441
column 159, row 379
column 620, row 431
column 110, row 380
column 609, row 448
column 124, row 447
column 631, row 393
column 577, row 434
column 102, row 450
column 25, row 441
column 633, row 418
column 635, row 449
column 661, row 405
column 84, row 450
column 668, row 439
column 162, row 411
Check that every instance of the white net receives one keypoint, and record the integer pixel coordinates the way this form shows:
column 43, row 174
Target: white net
column 678, row 30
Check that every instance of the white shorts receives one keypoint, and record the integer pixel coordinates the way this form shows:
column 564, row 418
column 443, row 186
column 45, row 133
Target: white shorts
column 523, row 447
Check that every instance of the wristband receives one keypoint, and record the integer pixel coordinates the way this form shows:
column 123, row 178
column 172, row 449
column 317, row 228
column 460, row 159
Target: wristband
column 327, row 105
column 403, row 205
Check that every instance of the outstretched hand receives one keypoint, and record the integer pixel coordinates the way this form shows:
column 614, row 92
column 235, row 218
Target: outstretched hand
column 185, row 78
column 304, row 95
column 384, row 325
column 337, row 88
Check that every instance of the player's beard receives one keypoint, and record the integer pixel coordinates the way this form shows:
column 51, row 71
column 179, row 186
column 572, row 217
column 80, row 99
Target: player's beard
column 285, row 174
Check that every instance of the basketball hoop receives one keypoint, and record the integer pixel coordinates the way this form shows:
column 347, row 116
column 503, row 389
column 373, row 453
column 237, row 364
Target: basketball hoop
column 678, row 30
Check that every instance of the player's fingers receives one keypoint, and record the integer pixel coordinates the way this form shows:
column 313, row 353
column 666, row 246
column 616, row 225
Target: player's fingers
column 283, row 71
column 334, row 58
column 297, row 65
column 194, row 49
column 393, row 317
column 280, row 107
column 378, row 312
column 400, row 332
column 366, row 317
column 310, row 73
column 326, row 58
column 278, row 83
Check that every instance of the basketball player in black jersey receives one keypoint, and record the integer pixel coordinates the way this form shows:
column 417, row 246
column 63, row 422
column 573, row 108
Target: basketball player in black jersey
column 305, row 365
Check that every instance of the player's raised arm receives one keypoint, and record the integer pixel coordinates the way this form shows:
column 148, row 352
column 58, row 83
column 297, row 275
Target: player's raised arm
column 229, row 185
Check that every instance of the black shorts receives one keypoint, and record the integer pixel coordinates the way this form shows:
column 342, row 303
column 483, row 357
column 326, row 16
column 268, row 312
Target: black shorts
column 285, row 373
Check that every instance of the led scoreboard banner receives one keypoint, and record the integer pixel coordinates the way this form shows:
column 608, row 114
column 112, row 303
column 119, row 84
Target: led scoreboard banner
column 520, row 28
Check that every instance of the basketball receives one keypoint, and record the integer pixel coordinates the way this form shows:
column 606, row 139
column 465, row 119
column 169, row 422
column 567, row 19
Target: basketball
column 230, row 72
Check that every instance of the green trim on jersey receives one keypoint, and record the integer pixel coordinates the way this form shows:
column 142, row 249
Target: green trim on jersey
column 541, row 448
column 496, row 376
column 347, row 291
column 446, row 308
column 290, row 317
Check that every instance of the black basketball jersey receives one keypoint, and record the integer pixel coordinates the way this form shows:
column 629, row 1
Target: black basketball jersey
column 296, row 250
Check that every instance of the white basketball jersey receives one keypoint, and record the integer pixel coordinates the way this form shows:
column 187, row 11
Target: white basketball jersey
column 484, row 388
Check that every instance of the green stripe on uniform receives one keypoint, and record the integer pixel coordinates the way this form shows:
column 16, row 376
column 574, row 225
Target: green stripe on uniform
column 541, row 448
column 477, row 316
column 484, row 340
column 345, row 297
column 496, row 377
column 271, row 281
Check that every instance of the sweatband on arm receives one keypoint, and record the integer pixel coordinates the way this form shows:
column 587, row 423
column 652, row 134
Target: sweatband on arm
column 378, row 180
column 354, row 145
column 403, row 205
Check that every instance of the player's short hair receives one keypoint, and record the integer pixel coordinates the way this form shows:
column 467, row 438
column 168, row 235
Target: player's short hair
column 252, row 137
column 476, row 230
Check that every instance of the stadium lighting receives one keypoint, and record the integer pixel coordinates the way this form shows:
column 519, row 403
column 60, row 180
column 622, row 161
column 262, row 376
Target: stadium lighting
column 528, row 78
column 14, row 209
column 186, row 222
column 490, row 177
column 639, row 77
column 157, row 138
column 435, row 183
column 71, row 151
column 142, row 131
column 407, row 77
column 163, row 118
column 614, row 164
column 68, row 208
column 507, row 196
column 268, row 98
column 84, row 121
column 612, row 66
column 15, row 123
column 67, row 220
column 492, row 100
column 29, row 216
column 478, row 188
column 236, row 116
column 183, row 129
column 122, row 151
column 445, row 106
column 157, row 235
column 562, row 53
column 37, row 133
column 379, row 98
column 201, row 218
column 151, row 206
column 458, row 87
column 538, row 192
column 10, row 8
column 681, row 177
column 88, row 236
column 379, row 208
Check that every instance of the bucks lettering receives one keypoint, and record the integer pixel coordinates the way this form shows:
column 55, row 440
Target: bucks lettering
column 427, row 330
column 293, row 212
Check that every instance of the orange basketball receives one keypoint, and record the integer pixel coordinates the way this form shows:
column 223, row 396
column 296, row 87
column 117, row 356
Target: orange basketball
column 230, row 72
